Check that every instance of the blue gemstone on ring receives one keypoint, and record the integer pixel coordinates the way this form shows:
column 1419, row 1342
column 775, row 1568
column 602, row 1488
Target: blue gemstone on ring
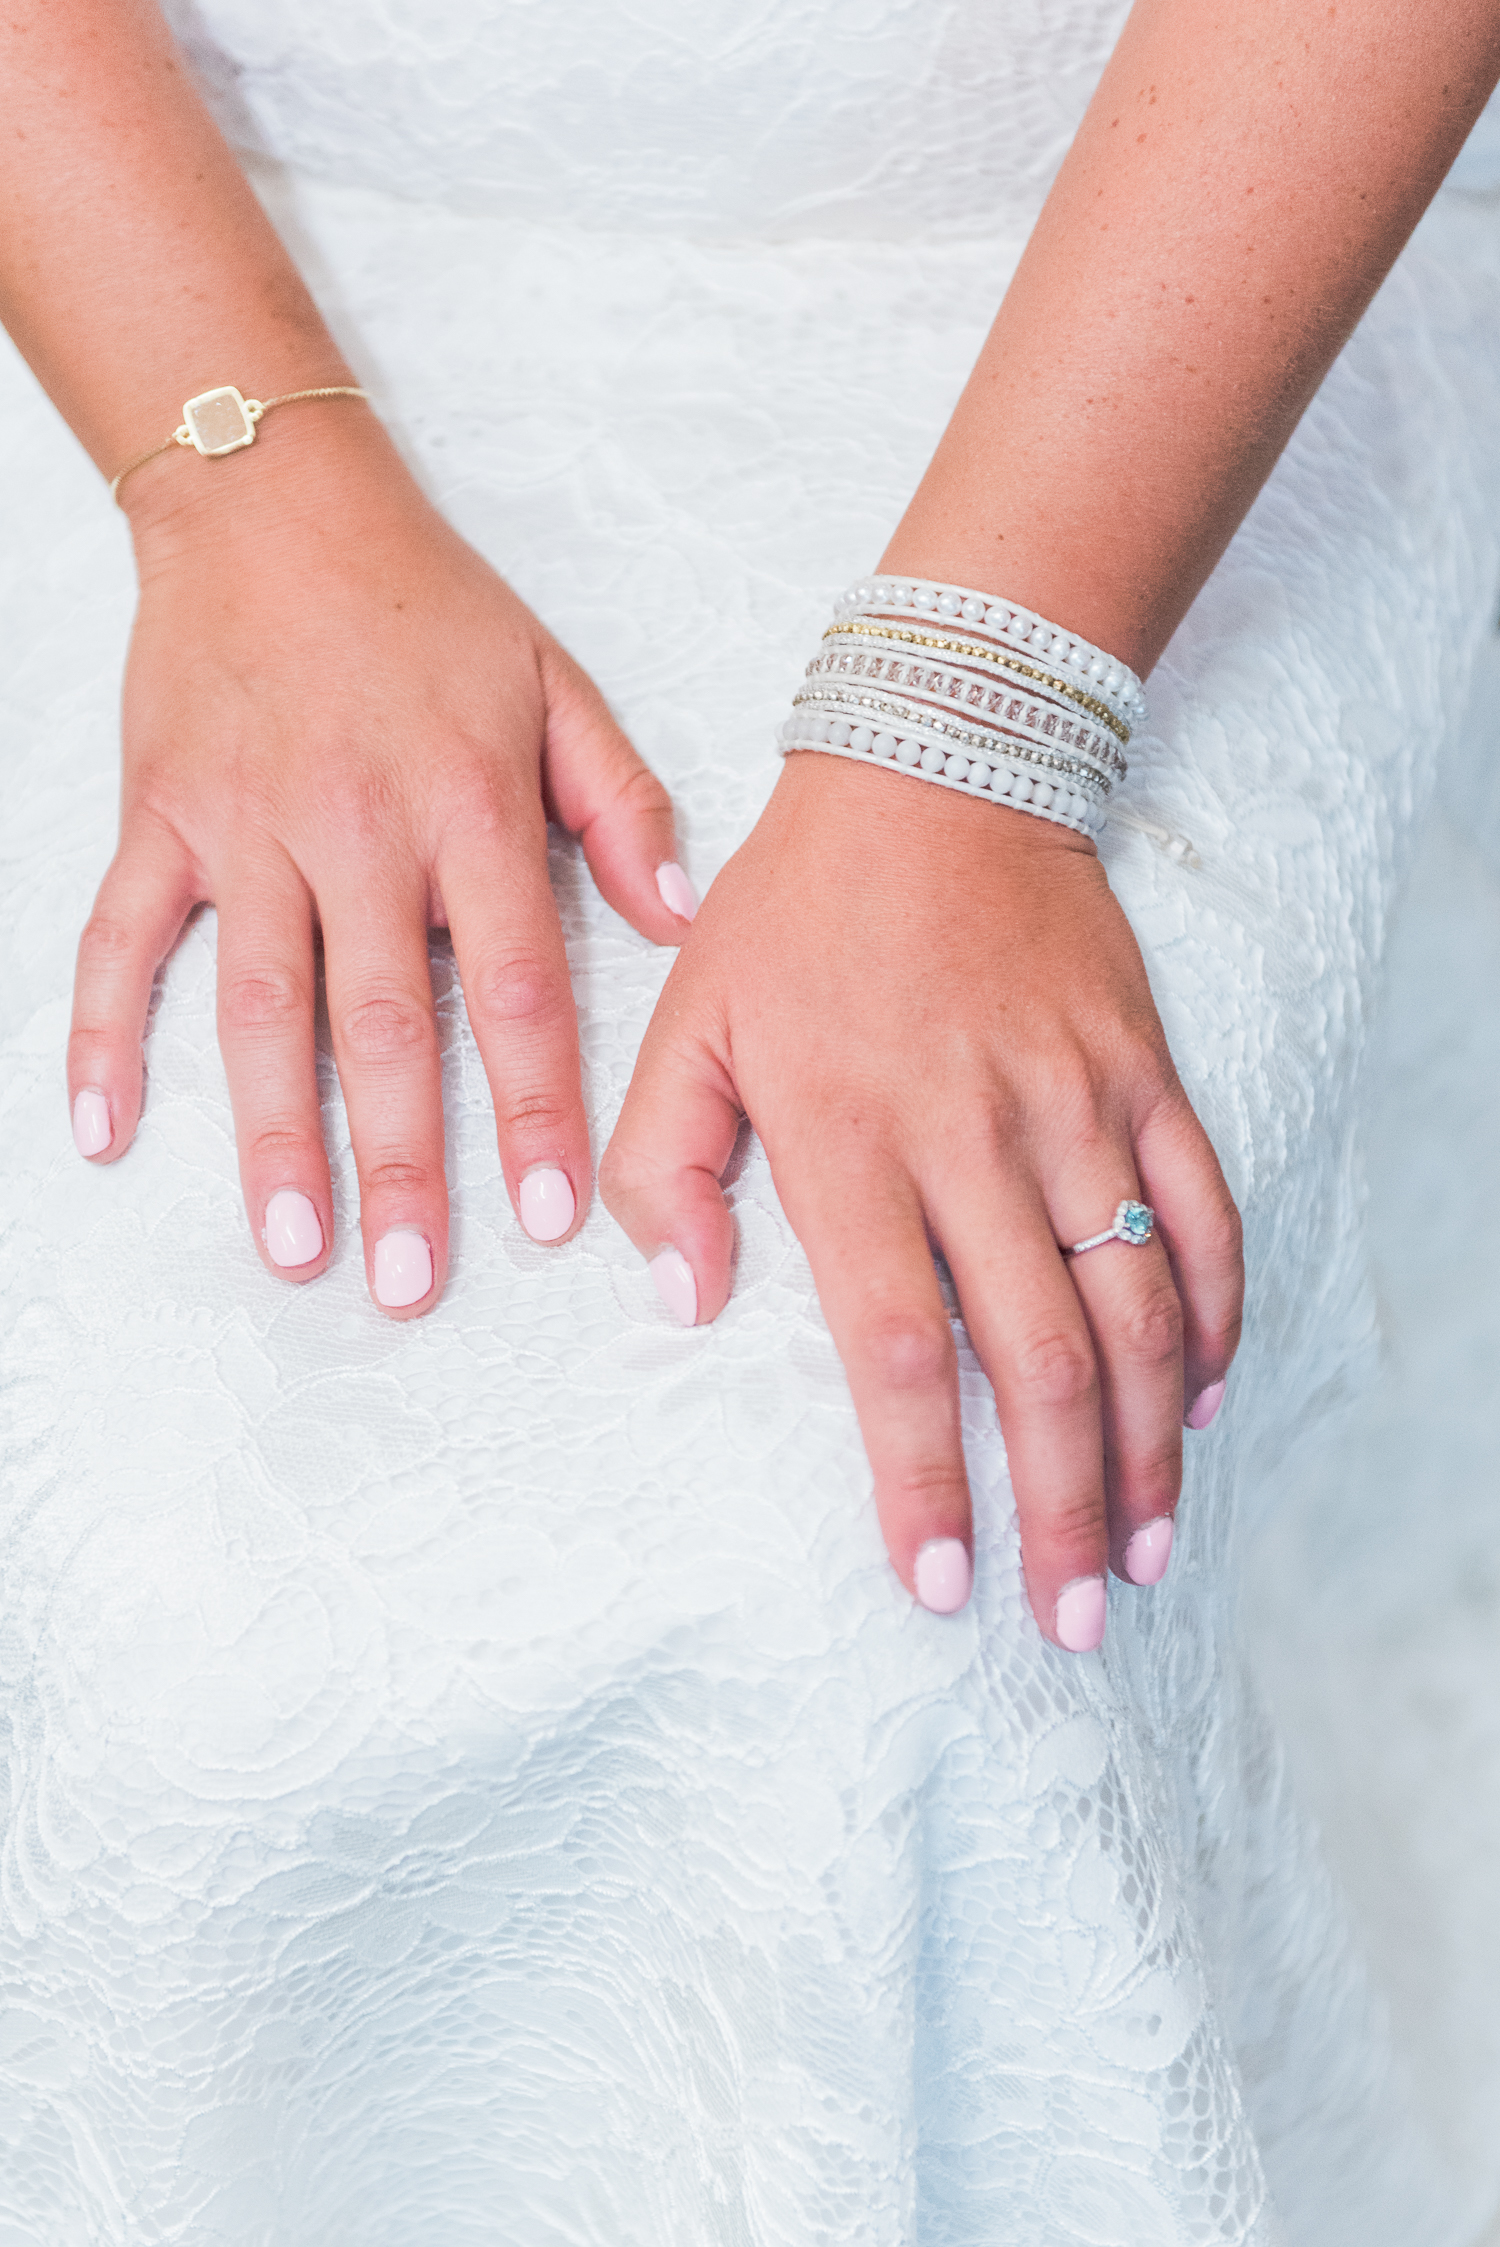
column 1133, row 1222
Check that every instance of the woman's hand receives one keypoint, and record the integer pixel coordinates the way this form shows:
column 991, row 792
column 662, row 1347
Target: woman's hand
column 338, row 718
column 936, row 1017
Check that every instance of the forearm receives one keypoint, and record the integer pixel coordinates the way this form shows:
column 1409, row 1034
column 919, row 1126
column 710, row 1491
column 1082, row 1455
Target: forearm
column 136, row 265
column 1242, row 183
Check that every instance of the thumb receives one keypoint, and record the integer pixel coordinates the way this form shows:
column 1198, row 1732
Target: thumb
column 602, row 792
column 661, row 1170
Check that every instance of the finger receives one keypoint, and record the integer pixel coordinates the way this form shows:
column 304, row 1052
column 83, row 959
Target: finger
column 138, row 914
column 866, row 1240
column 514, row 969
column 660, row 1178
column 602, row 792
column 660, row 1174
column 386, row 1046
column 1130, row 1300
column 267, row 994
column 1200, row 1228
column 1028, row 1328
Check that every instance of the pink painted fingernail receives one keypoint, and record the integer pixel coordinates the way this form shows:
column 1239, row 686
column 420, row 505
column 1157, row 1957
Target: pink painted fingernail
column 1204, row 1406
column 293, row 1234
column 403, row 1270
column 1080, row 1615
column 547, row 1204
column 677, row 892
column 944, row 1574
column 92, row 1131
column 1148, row 1552
column 676, row 1285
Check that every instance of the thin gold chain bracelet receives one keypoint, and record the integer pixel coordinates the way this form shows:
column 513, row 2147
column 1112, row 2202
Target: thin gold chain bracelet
column 221, row 421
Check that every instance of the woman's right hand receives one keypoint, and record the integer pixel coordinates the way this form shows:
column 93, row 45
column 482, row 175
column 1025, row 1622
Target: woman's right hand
column 339, row 720
column 935, row 1015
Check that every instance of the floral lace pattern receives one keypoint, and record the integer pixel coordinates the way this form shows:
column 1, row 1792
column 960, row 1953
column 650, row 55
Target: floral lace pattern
column 853, row 117
column 479, row 1779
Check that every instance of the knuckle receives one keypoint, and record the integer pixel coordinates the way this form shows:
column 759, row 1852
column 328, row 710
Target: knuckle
column 908, row 1351
column 358, row 804
column 91, row 1035
column 1081, row 1140
column 386, row 1027
column 276, row 1148
column 397, row 1175
column 1156, row 1470
column 153, row 834
column 257, row 1000
column 1074, row 1525
column 1146, row 1066
column 1150, row 1330
column 629, row 1178
column 1223, row 1339
column 473, row 811
column 1054, row 1369
column 520, row 991
column 932, row 1496
column 618, row 1175
column 1222, row 1235
column 1072, row 1104
column 537, row 1115
column 106, row 942
column 639, row 791
column 1083, row 1065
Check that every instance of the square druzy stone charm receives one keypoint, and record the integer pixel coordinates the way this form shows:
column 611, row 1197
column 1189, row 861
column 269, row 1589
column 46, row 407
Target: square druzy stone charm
column 1133, row 1222
column 218, row 423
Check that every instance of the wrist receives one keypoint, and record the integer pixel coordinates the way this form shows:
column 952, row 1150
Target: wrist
column 1084, row 587
column 319, row 464
column 895, row 816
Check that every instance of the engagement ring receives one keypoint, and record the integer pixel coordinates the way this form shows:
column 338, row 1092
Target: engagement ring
column 1133, row 1223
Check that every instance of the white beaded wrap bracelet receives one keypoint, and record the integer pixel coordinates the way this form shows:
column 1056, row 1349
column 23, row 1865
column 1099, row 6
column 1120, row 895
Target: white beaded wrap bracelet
column 976, row 694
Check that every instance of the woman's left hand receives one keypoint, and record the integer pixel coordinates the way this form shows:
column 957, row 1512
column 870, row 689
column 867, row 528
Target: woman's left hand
column 935, row 1015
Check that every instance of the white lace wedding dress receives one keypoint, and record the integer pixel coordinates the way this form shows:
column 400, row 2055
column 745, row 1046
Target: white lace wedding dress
column 479, row 1781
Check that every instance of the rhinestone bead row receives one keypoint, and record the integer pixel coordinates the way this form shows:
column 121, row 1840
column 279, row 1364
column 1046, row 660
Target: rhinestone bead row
column 989, row 662
column 996, row 702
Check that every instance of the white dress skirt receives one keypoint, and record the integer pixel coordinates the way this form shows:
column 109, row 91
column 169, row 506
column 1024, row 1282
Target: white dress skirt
column 479, row 1781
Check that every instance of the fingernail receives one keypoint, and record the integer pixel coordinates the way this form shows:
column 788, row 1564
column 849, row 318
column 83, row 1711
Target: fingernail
column 92, row 1131
column 293, row 1234
column 547, row 1204
column 1204, row 1406
column 1148, row 1552
column 676, row 1285
column 403, row 1270
column 677, row 892
column 944, row 1575
column 1080, row 1615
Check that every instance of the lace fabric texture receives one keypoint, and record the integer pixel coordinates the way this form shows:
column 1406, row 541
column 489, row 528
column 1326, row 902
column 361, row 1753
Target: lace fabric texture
column 883, row 118
column 479, row 1779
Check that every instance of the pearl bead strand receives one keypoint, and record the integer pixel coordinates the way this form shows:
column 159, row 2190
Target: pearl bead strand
column 915, row 600
column 997, row 779
column 904, row 717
